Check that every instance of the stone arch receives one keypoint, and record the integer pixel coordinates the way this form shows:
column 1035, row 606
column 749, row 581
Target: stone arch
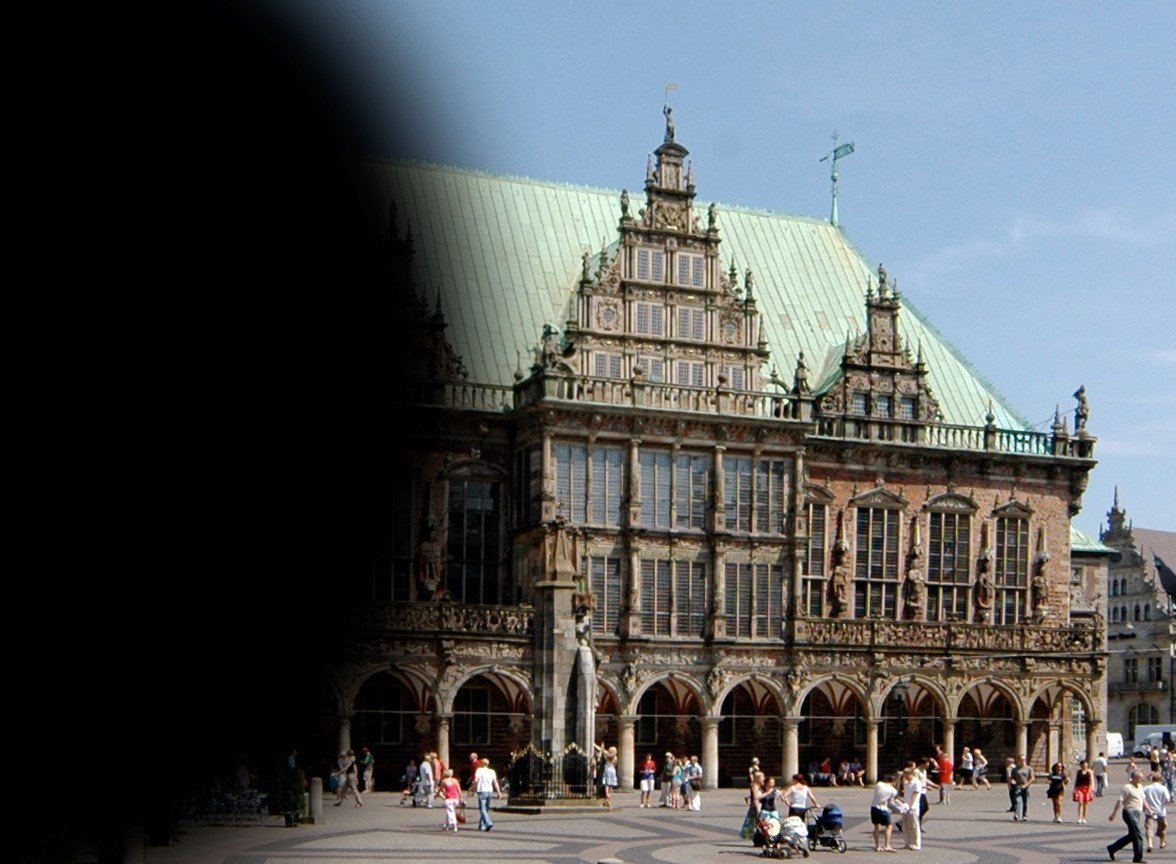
column 833, row 711
column 668, row 708
column 912, row 712
column 987, row 714
column 448, row 687
column 680, row 678
column 1051, row 733
column 749, row 710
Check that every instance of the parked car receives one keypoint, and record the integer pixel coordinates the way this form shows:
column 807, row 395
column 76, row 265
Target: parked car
column 1145, row 745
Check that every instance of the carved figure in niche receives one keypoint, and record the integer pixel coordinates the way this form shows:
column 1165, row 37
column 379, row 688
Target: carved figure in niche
column 914, row 593
column 1082, row 412
column 624, row 203
column 711, row 216
column 839, row 586
column 669, row 112
column 431, row 561
column 582, row 608
column 1040, row 588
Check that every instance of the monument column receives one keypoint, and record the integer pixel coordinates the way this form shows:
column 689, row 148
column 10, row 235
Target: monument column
column 949, row 739
column 625, row 755
column 710, row 752
column 791, row 747
column 872, row 750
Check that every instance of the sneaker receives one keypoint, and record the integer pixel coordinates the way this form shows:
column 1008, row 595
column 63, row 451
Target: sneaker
column 1111, row 852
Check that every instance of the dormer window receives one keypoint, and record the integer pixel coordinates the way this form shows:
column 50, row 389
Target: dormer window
column 907, row 408
column 736, row 377
column 689, row 373
column 882, row 406
column 651, row 265
column 691, row 270
column 650, row 319
column 859, row 403
column 607, row 365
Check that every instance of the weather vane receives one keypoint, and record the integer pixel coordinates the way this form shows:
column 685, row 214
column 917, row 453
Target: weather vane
column 836, row 154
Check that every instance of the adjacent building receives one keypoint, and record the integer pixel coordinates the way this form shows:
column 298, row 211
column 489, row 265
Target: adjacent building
column 670, row 476
column 1141, row 638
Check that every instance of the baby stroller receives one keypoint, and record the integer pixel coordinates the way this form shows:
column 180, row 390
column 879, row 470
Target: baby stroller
column 416, row 793
column 825, row 829
column 780, row 839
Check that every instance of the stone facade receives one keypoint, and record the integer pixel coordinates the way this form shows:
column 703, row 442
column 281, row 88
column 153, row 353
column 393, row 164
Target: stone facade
column 1141, row 638
column 741, row 565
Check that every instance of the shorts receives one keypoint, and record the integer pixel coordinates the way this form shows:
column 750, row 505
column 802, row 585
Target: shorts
column 646, row 784
column 879, row 816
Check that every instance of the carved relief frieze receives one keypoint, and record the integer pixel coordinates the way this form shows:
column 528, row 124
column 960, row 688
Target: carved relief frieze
column 609, row 316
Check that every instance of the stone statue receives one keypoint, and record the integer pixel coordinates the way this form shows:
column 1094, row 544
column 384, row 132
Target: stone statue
column 800, row 377
column 914, row 594
column 550, row 346
column 431, row 561
column 669, row 112
column 624, row 203
column 839, row 590
column 711, row 217
column 1082, row 412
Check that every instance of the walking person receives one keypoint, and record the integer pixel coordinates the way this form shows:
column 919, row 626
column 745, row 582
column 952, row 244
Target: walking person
column 1011, row 784
column 1133, row 805
column 1083, row 789
column 648, row 772
column 1100, row 774
column 368, row 761
column 799, row 797
column 1056, row 790
column 349, row 782
column 747, row 831
column 667, row 782
column 883, row 803
column 694, row 782
column 486, row 785
column 912, row 791
column 967, row 769
column 1158, row 797
column 1023, row 777
column 425, row 773
column 980, row 769
column 451, row 795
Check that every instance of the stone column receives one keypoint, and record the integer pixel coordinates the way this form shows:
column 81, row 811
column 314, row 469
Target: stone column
column 949, row 739
column 1022, row 738
column 1053, row 747
column 1093, row 730
column 791, row 747
column 626, row 763
column 710, row 752
column 872, row 750
column 443, row 721
column 344, row 732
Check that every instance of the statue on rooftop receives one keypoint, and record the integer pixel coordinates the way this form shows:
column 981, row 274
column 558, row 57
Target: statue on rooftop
column 669, row 112
column 1082, row 412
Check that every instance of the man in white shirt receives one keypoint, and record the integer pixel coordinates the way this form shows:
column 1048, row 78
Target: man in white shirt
column 912, row 790
column 485, row 784
column 1134, row 805
column 1156, row 822
column 1100, row 774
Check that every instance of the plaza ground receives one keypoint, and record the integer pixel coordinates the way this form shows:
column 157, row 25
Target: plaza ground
column 975, row 827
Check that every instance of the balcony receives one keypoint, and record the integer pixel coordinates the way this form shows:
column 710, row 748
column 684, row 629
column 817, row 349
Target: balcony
column 1134, row 686
column 944, row 637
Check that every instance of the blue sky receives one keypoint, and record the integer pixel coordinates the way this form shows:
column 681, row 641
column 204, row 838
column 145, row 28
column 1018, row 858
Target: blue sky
column 1014, row 163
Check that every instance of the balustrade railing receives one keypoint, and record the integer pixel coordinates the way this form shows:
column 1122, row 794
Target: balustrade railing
column 538, row 776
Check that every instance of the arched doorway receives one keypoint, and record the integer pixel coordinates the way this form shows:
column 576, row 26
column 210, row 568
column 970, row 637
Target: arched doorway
column 986, row 719
column 750, row 727
column 832, row 728
column 667, row 720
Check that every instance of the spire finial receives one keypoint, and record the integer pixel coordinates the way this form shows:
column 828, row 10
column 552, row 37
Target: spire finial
column 837, row 154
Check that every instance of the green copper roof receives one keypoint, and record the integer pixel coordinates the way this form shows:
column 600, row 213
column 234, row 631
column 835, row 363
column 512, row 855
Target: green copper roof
column 1084, row 544
column 504, row 254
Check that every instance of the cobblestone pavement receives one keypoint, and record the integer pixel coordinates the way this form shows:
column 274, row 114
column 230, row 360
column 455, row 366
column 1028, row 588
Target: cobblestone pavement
column 975, row 827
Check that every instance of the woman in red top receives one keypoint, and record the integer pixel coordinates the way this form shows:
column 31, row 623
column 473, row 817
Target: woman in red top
column 648, row 771
column 451, row 793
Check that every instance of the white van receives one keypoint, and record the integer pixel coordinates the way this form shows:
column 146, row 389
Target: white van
column 1114, row 745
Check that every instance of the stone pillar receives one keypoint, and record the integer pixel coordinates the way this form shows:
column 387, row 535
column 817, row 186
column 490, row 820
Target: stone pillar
column 791, row 748
column 1053, row 746
column 710, row 752
column 344, row 732
column 626, row 758
column 316, row 800
column 1022, row 739
column 443, row 721
column 949, row 739
column 872, row 750
column 1093, row 731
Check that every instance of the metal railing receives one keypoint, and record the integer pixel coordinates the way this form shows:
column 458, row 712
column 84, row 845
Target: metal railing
column 539, row 776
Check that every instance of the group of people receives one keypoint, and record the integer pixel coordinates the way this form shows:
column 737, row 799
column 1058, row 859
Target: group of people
column 764, row 799
column 849, row 772
column 433, row 779
column 681, row 782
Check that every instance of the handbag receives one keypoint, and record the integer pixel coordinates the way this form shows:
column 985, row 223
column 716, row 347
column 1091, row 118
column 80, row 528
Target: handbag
column 461, row 817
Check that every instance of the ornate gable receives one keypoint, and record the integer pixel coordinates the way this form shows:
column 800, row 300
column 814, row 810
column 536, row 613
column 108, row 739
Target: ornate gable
column 656, row 305
column 879, row 381
column 951, row 502
column 1014, row 510
column 880, row 497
